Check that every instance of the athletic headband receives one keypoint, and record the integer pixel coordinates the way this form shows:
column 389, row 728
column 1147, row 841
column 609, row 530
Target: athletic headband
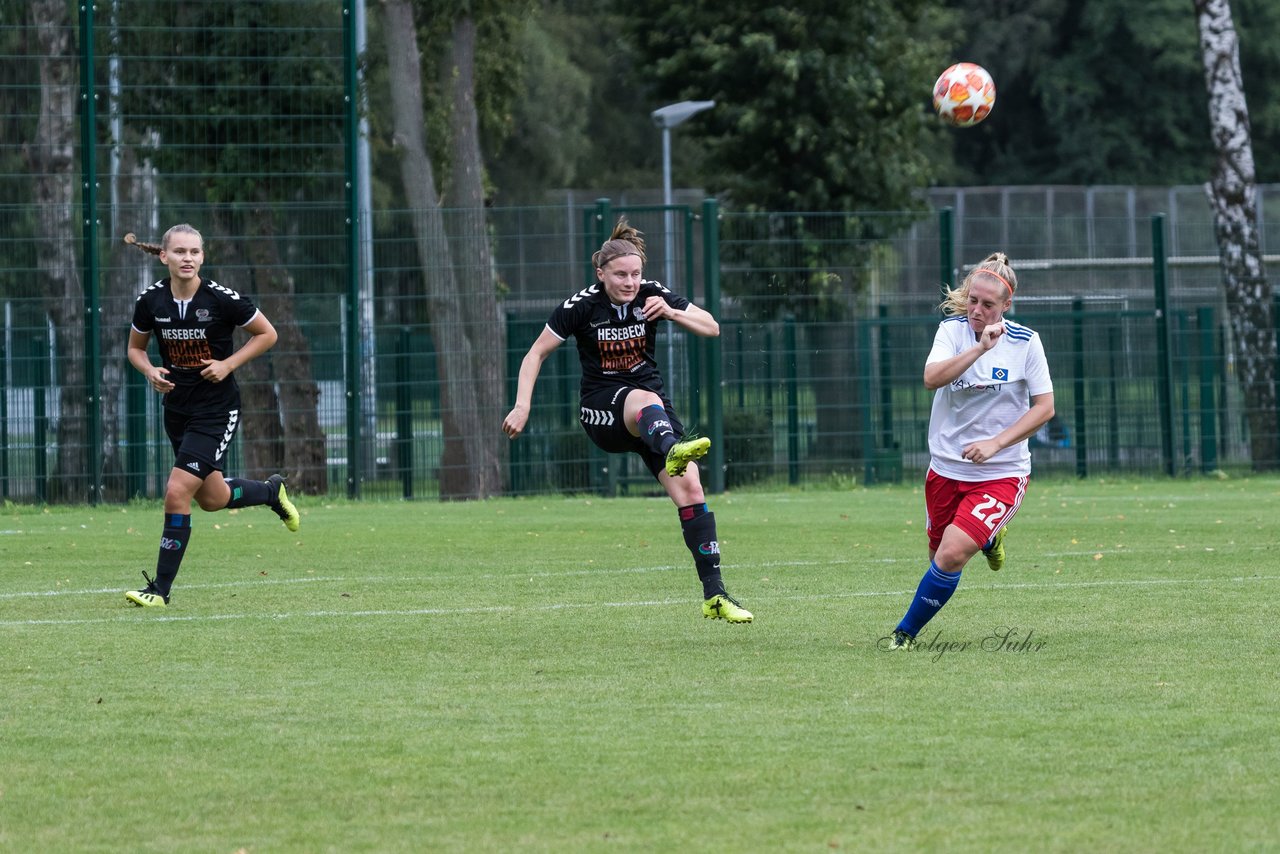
column 999, row 278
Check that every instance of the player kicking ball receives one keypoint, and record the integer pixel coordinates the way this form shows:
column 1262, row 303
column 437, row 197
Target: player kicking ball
column 993, row 392
column 623, row 405
column 192, row 319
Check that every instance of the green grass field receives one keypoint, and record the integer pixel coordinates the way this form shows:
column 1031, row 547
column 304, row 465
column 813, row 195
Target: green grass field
column 535, row 675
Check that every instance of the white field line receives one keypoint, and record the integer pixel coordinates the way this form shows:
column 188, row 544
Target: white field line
column 136, row 616
column 40, row 594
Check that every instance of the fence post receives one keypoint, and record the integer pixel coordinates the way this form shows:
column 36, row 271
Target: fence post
column 404, row 412
column 89, row 234
column 1164, row 381
column 886, row 379
column 1078, row 388
column 715, row 365
column 135, row 428
column 4, row 407
column 1208, row 406
column 1275, row 378
column 352, row 141
column 793, row 400
column 1182, row 320
column 946, row 250
column 604, row 474
column 40, row 424
column 866, row 422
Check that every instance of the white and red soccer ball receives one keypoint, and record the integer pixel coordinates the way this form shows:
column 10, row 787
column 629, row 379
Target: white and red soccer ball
column 964, row 94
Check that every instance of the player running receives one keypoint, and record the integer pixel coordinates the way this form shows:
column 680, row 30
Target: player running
column 623, row 406
column 993, row 393
column 192, row 319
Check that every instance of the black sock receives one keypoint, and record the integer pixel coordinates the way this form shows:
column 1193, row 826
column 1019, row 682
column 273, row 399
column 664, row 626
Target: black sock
column 699, row 525
column 248, row 493
column 173, row 545
column 655, row 429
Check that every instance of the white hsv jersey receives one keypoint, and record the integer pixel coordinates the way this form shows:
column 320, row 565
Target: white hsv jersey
column 992, row 394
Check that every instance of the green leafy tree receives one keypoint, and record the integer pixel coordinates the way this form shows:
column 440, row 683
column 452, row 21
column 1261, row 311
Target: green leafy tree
column 820, row 108
column 546, row 141
column 1103, row 92
column 819, row 105
column 450, row 77
column 243, row 120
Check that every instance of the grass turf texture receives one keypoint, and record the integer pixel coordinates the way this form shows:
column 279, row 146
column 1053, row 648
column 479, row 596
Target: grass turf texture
column 534, row 674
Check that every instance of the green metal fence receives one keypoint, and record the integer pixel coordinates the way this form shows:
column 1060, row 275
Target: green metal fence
column 240, row 118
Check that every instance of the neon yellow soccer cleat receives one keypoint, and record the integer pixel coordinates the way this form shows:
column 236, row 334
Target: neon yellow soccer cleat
column 901, row 640
column 282, row 505
column 683, row 453
column 995, row 552
column 722, row 606
column 149, row 596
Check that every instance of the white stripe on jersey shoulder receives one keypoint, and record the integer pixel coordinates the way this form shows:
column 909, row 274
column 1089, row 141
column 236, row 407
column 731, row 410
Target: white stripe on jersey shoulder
column 657, row 285
column 581, row 295
column 1017, row 331
column 149, row 288
column 217, row 287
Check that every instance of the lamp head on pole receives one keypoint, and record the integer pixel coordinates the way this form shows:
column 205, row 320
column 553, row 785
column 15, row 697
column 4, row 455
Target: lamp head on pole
column 674, row 114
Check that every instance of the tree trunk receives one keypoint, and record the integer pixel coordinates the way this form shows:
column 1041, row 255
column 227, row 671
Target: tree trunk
column 484, row 324
column 51, row 157
column 261, row 430
column 1232, row 193
column 463, row 471
column 278, row 391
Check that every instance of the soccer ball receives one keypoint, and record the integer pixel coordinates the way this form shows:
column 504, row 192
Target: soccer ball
column 964, row 94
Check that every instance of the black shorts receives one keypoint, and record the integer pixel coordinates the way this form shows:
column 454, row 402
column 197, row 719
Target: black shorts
column 601, row 414
column 200, row 442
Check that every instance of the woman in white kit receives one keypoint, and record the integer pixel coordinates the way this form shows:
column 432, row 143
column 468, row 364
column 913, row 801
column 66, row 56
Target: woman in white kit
column 993, row 392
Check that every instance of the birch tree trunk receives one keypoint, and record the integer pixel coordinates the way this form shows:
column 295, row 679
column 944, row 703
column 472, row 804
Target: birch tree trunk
column 1232, row 192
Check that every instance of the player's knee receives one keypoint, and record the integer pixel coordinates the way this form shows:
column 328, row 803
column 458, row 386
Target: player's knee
column 644, row 399
column 210, row 504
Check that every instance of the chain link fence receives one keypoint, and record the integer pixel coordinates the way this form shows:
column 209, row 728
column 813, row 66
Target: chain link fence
column 239, row 119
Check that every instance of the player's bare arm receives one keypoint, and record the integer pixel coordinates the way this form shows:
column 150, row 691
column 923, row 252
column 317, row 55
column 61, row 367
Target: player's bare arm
column 530, row 367
column 262, row 337
column 696, row 320
column 141, row 361
column 938, row 374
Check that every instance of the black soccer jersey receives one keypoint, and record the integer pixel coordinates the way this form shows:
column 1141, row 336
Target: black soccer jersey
column 190, row 332
column 615, row 346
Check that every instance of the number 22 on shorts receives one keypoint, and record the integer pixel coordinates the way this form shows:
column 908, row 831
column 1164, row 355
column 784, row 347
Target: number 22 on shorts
column 990, row 512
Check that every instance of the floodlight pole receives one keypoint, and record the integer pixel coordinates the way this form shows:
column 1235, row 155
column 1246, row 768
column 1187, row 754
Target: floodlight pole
column 666, row 118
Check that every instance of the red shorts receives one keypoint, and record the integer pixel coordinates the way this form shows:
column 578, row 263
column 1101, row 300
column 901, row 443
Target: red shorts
column 979, row 509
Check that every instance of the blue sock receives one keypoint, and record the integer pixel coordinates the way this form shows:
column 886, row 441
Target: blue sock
column 935, row 589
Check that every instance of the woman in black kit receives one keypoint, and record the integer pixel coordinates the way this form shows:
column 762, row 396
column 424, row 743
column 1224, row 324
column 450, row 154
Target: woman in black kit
column 623, row 406
column 192, row 319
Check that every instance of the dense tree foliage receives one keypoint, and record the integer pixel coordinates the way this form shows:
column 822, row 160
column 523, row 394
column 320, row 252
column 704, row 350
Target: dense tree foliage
column 819, row 105
column 1103, row 92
